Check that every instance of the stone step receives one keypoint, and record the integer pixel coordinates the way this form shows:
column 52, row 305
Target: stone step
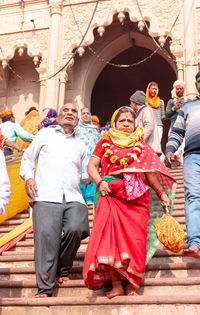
column 28, row 288
column 20, row 261
column 7, row 228
column 179, row 201
column 165, row 305
column 29, row 274
column 180, row 195
column 23, row 262
column 11, row 223
column 179, row 213
column 178, row 207
column 179, row 189
column 10, row 255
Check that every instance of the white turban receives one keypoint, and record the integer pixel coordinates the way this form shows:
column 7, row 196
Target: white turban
column 176, row 83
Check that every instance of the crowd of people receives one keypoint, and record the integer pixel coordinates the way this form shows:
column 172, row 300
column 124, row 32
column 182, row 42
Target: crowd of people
column 119, row 168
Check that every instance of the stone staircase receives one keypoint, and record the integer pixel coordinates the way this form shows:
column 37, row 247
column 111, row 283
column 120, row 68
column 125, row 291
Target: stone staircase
column 171, row 284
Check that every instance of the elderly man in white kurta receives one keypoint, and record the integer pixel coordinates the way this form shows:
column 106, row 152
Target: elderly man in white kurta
column 60, row 216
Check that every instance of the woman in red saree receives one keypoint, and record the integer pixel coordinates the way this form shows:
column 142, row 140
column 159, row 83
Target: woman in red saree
column 117, row 247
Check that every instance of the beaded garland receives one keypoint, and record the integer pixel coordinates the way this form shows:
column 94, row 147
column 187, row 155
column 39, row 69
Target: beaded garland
column 128, row 158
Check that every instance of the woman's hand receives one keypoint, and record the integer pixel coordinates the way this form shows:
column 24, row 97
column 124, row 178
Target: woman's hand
column 165, row 200
column 104, row 188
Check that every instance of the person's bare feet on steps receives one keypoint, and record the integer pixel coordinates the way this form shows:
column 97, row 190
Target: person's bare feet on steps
column 117, row 290
column 130, row 290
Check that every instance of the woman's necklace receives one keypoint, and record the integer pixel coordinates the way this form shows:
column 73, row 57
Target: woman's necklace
column 128, row 158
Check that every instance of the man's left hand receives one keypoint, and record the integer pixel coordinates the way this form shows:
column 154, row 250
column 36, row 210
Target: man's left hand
column 31, row 188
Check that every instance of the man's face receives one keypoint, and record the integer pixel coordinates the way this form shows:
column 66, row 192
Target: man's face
column 153, row 90
column 12, row 119
column 179, row 90
column 68, row 116
column 134, row 106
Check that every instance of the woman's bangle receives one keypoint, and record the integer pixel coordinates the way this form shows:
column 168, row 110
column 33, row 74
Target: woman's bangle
column 99, row 183
column 160, row 192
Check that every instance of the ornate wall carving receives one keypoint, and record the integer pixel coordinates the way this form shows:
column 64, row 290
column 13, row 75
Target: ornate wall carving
column 36, row 44
column 160, row 13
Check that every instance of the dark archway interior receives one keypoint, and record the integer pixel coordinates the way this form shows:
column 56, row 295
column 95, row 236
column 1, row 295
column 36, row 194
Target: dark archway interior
column 114, row 85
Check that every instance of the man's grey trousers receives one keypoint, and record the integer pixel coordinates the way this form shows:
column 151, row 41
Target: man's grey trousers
column 58, row 231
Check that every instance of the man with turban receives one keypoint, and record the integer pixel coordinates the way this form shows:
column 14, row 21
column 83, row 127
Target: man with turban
column 176, row 101
column 11, row 130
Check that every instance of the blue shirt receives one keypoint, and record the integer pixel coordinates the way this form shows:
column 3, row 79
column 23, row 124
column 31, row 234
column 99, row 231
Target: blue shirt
column 61, row 165
column 12, row 130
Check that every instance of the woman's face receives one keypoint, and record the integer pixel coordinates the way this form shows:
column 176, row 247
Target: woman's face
column 125, row 122
column 85, row 115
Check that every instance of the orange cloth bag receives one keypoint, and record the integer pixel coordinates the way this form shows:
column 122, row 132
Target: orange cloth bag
column 170, row 233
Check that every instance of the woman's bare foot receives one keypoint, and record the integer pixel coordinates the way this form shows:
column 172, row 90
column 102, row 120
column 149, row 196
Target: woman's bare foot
column 130, row 290
column 117, row 290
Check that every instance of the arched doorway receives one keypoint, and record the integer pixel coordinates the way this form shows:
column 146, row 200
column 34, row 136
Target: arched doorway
column 114, row 86
column 101, row 87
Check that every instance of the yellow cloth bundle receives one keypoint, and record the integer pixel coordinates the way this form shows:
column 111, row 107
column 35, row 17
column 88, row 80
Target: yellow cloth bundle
column 170, row 233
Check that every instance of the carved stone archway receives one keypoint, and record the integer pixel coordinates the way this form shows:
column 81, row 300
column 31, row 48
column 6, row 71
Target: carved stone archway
column 88, row 67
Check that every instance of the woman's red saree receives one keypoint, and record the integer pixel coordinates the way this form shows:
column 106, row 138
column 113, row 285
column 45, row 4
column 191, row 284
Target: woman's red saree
column 118, row 238
column 123, row 231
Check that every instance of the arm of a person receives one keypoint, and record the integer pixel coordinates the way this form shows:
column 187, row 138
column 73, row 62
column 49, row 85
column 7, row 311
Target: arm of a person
column 162, row 107
column 27, row 169
column 13, row 145
column 23, row 134
column 4, row 185
column 177, row 133
column 84, row 163
column 148, row 123
column 156, row 186
column 93, row 169
column 169, row 112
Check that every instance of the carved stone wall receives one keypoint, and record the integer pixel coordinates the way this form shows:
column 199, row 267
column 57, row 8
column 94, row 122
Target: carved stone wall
column 30, row 27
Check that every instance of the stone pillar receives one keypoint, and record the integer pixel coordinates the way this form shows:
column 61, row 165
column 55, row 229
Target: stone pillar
column 190, row 52
column 180, row 68
column 42, row 77
column 53, row 62
column 42, row 94
column 63, row 78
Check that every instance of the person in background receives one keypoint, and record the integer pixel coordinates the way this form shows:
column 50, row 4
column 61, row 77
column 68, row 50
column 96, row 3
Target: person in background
column 90, row 135
column 60, row 216
column 146, row 120
column 157, row 106
column 5, row 142
column 95, row 121
column 172, row 109
column 174, row 104
column 11, row 130
column 50, row 119
column 30, row 124
column 106, row 127
column 4, row 185
column 187, row 126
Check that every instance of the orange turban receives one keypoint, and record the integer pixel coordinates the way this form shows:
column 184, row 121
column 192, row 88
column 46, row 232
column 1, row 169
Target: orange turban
column 5, row 113
column 95, row 118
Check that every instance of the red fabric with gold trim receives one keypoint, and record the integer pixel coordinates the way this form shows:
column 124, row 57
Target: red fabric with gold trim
column 148, row 161
column 118, row 224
